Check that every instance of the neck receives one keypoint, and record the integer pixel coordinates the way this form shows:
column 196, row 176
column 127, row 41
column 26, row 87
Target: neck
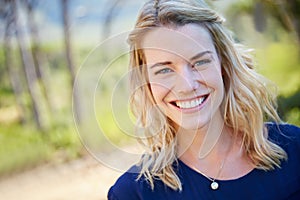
column 214, row 151
column 209, row 144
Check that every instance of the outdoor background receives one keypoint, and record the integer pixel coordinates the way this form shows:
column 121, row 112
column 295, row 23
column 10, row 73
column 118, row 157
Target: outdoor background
column 58, row 141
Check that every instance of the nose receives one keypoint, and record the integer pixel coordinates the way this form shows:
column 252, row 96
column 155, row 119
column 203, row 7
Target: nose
column 187, row 80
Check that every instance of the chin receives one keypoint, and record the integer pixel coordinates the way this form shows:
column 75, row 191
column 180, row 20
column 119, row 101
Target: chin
column 193, row 126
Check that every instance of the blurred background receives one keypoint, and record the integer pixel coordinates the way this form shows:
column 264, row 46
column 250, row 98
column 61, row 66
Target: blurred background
column 48, row 142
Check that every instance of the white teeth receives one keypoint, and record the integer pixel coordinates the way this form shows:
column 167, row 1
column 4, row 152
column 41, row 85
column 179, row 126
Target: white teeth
column 190, row 104
column 193, row 103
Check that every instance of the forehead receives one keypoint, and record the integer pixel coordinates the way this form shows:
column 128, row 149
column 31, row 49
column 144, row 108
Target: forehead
column 182, row 41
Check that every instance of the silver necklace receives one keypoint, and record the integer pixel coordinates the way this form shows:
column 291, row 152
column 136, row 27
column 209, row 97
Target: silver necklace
column 214, row 184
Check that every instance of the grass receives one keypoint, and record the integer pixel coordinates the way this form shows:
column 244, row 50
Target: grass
column 22, row 146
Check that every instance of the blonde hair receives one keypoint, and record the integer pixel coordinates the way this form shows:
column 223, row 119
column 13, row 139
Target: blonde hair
column 246, row 106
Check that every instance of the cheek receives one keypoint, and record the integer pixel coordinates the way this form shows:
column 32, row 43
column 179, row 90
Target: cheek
column 213, row 77
column 158, row 92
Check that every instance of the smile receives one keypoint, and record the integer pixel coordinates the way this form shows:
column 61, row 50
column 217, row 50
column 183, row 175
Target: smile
column 190, row 103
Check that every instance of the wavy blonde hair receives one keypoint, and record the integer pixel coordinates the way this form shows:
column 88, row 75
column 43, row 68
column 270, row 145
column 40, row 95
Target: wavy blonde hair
column 247, row 103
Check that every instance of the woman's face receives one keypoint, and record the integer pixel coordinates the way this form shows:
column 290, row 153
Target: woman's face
column 185, row 74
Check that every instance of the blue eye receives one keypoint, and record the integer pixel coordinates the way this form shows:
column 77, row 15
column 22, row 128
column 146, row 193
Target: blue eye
column 201, row 62
column 164, row 71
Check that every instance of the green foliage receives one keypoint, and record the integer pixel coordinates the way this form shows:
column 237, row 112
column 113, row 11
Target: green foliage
column 293, row 116
column 65, row 138
column 276, row 48
column 23, row 146
column 8, row 94
column 280, row 63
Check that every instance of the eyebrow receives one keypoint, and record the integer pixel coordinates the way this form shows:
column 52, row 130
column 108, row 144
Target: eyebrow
column 161, row 64
column 199, row 55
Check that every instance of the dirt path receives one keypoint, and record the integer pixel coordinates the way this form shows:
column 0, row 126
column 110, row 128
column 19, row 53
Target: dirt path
column 81, row 179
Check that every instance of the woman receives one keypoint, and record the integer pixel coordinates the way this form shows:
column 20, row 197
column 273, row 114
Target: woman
column 202, row 109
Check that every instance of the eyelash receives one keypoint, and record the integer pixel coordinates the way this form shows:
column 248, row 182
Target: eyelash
column 167, row 70
column 202, row 62
column 163, row 71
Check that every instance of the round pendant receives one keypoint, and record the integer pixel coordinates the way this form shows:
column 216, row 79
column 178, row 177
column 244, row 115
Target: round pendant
column 214, row 185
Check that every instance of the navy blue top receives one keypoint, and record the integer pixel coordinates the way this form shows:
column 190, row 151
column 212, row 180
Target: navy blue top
column 281, row 183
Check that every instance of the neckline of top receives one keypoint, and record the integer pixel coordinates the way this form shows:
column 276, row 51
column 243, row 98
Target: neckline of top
column 244, row 176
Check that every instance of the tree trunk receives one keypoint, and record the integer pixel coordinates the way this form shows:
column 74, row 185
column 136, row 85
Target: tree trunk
column 13, row 73
column 70, row 63
column 39, row 58
column 109, row 16
column 29, row 69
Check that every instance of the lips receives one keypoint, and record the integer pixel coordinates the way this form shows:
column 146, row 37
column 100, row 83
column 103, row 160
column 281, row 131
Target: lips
column 188, row 104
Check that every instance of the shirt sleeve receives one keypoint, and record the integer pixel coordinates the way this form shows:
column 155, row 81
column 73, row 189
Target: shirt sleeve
column 294, row 133
column 286, row 132
column 111, row 195
column 125, row 188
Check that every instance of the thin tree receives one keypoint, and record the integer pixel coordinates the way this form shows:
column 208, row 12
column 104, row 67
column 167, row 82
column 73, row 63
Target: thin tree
column 10, row 65
column 111, row 10
column 28, row 65
column 110, row 14
column 39, row 57
column 70, row 61
column 286, row 13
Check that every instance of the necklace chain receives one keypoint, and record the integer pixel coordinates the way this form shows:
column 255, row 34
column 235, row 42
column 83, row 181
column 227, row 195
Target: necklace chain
column 215, row 185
